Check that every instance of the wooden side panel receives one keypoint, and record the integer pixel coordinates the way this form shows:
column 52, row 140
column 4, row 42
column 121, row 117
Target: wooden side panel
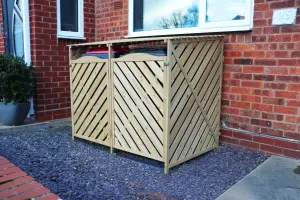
column 90, row 102
column 138, row 104
column 195, row 98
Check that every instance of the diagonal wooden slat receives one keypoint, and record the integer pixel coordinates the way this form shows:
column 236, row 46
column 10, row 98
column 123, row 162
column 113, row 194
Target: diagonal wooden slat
column 200, row 138
column 92, row 127
column 193, row 92
column 203, row 144
column 197, row 62
column 184, row 58
column 131, row 126
column 205, row 93
column 155, row 67
column 100, row 122
column 120, row 139
column 176, row 123
column 104, row 134
column 83, row 81
column 141, row 118
column 76, row 68
column 207, row 58
column 208, row 74
column 79, row 76
column 180, row 78
column 193, row 138
column 117, row 142
column 195, row 57
column 86, row 87
column 204, row 129
column 89, row 90
column 85, row 99
column 142, row 86
column 143, row 103
column 90, row 99
column 86, row 118
column 141, row 66
column 182, row 95
column 182, row 131
column 191, row 133
column 126, row 135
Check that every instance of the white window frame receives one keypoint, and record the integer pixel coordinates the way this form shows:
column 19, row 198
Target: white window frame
column 204, row 27
column 71, row 34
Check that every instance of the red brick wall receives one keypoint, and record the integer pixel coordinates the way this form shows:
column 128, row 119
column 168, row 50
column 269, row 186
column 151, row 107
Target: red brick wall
column 261, row 89
column 2, row 45
column 50, row 55
column 111, row 19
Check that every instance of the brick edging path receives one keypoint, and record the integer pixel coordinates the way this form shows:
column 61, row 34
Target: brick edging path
column 15, row 184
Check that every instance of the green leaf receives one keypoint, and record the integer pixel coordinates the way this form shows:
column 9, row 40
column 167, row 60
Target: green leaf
column 16, row 79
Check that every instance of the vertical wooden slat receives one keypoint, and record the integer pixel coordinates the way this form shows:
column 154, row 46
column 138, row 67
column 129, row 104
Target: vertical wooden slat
column 71, row 91
column 167, row 107
column 221, row 84
column 110, row 99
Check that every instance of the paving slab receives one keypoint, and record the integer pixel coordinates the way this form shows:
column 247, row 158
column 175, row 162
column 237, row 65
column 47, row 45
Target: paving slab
column 33, row 125
column 275, row 179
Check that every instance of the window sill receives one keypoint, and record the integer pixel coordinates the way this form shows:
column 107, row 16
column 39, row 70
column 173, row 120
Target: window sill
column 70, row 37
column 170, row 32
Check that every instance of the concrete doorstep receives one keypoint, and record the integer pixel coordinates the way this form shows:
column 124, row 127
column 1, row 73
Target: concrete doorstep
column 276, row 179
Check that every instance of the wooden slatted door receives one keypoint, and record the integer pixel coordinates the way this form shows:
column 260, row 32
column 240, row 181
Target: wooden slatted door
column 138, row 105
column 90, row 102
column 196, row 69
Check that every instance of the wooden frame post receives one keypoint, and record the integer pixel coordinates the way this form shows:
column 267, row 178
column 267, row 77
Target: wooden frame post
column 71, row 90
column 167, row 106
column 110, row 98
column 221, row 86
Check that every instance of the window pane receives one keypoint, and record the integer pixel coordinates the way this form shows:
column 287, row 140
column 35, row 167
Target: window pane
column 18, row 37
column 167, row 14
column 229, row 10
column 69, row 15
column 19, row 4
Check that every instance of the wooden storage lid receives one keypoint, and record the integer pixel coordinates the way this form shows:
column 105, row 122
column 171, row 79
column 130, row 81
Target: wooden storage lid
column 150, row 39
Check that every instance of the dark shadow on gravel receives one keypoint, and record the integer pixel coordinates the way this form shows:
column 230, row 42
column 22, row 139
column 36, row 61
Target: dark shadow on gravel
column 83, row 170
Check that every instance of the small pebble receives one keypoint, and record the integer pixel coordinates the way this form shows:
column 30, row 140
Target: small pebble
column 83, row 170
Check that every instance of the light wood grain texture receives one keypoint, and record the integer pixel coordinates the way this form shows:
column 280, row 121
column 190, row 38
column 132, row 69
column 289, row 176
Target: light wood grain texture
column 181, row 39
column 194, row 89
column 71, row 89
column 143, row 111
column 90, row 103
column 166, row 108
column 89, row 59
column 110, row 99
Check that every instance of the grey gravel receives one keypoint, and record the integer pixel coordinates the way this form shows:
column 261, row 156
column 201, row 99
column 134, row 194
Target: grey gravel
column 83, row 170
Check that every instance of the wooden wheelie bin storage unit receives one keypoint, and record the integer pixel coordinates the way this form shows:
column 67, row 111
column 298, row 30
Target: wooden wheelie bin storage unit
column 165, row 108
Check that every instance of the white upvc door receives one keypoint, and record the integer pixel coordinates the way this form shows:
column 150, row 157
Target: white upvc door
column 17, row 30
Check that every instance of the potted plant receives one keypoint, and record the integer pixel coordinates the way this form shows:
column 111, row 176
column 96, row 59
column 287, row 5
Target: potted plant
column 16, row 88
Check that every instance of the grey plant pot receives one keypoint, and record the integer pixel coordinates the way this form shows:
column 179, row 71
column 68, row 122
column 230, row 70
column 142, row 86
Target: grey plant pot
column 13, row 114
